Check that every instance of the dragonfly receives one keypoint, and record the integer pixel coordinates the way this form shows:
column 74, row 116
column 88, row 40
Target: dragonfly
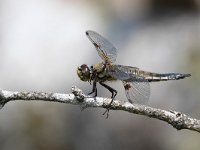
column 135, row 81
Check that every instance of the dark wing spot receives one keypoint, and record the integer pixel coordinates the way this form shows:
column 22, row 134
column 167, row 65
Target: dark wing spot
column 87, row 33
column 127, row 86
column 95, row 44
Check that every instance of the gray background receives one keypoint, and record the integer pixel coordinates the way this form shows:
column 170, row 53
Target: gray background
column 42, row 42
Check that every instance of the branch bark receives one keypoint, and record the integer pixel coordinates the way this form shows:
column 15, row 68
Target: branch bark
column 177, row 119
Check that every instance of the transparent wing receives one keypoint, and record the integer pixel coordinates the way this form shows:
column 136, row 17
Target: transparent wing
column 137, row 92
column 137, row 88
column 117, row 72
column 104, row 48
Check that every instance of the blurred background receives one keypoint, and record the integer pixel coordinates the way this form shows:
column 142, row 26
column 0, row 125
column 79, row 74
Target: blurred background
column 42, row 42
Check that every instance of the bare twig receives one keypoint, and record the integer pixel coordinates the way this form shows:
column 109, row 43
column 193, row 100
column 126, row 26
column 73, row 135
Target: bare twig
column 177, row 119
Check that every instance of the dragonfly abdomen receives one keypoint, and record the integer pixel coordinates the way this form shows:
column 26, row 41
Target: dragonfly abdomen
column 153, row 77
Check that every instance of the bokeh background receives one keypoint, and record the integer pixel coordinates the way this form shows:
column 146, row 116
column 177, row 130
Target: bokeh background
column 42, row 42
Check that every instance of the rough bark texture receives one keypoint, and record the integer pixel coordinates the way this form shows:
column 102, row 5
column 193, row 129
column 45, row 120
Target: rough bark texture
column 177, row 119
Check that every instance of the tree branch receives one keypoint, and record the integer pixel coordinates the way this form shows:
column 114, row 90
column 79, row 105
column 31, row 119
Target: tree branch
column 177, row 119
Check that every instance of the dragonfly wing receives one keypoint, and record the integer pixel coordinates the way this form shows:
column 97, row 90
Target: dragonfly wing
column 137, row 88
column 118, row 73
column 137, row 92
column 104, row 48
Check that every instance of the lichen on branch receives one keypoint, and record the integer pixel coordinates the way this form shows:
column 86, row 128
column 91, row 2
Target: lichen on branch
column 177, row 119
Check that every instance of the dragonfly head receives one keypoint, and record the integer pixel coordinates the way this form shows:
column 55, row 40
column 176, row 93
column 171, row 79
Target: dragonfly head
column 83, row 72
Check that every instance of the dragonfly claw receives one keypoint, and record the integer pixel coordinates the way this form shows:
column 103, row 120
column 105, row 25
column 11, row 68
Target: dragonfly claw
column 108, row 109
column 106, row 112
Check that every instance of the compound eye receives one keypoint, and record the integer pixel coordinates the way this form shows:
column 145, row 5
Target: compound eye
column 85, row 69
column 91, row 67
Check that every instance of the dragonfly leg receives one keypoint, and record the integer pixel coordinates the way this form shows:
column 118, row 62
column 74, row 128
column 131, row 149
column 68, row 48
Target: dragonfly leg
column 94, row 89
column 114, row 93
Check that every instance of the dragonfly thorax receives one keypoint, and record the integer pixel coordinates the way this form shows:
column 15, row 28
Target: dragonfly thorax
column 97, row 72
